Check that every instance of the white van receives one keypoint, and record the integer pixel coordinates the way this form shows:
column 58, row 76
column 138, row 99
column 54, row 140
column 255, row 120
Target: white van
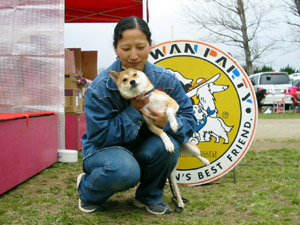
column 276, row 84
column 294, row 76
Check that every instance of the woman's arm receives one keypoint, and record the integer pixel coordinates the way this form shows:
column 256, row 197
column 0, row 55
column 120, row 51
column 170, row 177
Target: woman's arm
column 108, row 125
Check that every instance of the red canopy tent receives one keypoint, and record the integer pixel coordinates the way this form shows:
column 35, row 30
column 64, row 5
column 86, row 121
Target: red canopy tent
column 103, row 11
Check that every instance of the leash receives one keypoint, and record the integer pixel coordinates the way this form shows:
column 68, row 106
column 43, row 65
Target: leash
column 174, row 200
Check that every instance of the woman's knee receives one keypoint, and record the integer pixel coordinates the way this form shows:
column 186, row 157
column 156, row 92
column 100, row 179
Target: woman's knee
column 126, row 172
column 113, row 169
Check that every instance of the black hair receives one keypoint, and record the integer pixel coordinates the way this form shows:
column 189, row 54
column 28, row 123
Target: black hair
column 132, row 22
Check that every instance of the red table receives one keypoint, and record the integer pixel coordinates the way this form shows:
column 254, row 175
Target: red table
column 28, row 145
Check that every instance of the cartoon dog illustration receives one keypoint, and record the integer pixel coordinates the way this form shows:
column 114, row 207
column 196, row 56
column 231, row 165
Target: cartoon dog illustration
column 205, row 93
column 185, row 82
column 208, row 126
column 206, row 110
column 203, row 89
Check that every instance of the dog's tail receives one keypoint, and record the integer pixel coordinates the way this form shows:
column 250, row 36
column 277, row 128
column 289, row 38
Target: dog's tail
column 226, row 128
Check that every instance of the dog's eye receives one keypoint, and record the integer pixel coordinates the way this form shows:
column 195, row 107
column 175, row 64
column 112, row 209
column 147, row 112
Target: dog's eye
column 134, row 74
column 125, row 79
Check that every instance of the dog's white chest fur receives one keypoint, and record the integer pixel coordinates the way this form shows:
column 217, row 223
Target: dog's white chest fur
column 158, row 102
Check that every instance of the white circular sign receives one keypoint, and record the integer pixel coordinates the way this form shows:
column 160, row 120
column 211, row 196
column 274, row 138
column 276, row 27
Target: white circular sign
column 224, row 104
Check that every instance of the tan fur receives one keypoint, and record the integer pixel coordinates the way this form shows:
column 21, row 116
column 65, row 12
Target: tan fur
column 159, row 101
column 123, row 78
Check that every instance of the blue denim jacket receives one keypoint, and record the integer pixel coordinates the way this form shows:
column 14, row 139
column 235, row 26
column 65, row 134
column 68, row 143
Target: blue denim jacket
column 113, row 121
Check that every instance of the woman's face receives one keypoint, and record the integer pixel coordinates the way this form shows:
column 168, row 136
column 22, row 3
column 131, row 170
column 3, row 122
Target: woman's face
column 133, row 49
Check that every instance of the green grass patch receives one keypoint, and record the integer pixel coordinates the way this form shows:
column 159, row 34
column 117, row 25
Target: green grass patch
column 267, row 191
column 286, row 115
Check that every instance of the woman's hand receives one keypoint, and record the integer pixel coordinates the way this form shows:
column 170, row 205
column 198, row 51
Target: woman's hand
column 140, row 101
column 159, row 119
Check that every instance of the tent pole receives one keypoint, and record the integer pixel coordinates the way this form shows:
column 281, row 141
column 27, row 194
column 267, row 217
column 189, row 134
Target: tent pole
column 145, row 10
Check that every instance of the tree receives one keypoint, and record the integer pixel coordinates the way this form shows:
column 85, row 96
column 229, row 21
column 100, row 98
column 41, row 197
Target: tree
column 293, row 20
column 240, row 24
column 288, row 69
column 294, row 9
column 265, row 68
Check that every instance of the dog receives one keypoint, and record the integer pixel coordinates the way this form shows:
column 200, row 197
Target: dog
column 205, row 90
column 260, row 97
column 210, row 126
column 132, row 83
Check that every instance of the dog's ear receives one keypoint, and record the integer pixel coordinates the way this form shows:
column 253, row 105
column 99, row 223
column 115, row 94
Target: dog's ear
column 114, row 75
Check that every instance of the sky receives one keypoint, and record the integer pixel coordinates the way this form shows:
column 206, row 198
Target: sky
column 166, row 23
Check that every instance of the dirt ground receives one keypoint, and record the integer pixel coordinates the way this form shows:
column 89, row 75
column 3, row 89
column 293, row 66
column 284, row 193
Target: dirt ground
column 277, row 134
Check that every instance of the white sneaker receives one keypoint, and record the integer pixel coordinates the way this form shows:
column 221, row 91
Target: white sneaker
column 85, row 207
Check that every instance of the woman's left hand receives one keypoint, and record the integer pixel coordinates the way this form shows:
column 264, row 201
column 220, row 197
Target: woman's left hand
column 140, row 101
column 160, row 119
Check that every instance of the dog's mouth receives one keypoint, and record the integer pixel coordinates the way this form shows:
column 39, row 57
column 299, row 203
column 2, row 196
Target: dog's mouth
column 133, row 86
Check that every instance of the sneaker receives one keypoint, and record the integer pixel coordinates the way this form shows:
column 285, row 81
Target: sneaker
column 159, row 209
column 85, row 207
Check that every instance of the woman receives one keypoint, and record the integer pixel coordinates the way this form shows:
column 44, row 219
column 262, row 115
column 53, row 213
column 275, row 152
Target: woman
column 118, row 149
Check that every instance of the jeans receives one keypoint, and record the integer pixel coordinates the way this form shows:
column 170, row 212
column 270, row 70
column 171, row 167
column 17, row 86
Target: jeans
column 115, row 169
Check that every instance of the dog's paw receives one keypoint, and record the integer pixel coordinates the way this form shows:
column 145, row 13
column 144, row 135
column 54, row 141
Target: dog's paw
column 180, row 204
column 170, row 147
column 167, row 142
column 174, row 126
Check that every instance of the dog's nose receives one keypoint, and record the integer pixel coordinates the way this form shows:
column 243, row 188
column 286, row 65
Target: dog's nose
column 133, row 82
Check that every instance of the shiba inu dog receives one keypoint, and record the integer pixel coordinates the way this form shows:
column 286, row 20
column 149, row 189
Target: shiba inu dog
column 131, row 83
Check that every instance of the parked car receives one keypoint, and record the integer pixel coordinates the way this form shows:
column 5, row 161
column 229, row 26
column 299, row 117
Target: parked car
column 276, row 84
column 294, row 76
column 295, row 83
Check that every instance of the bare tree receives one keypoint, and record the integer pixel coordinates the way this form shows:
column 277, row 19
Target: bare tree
column 293, row 20
column 294, row 8
column 240, row 24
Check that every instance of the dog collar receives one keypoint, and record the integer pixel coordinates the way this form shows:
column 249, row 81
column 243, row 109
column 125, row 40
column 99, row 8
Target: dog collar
column 148, row 92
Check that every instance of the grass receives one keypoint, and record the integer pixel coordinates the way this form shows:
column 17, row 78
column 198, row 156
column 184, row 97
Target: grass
column 286, row 115
column 267, row 191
